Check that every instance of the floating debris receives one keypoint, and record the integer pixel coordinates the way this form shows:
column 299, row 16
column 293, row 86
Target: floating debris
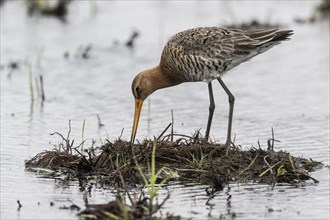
column 323, row 10
column 100, row 124
column 321, row 13
column 118, row 209
column 19, row 205
column 131, row 40
column 57, row 8
column 12, row 67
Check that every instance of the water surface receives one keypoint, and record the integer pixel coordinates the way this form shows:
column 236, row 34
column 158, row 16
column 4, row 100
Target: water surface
column 286, row 88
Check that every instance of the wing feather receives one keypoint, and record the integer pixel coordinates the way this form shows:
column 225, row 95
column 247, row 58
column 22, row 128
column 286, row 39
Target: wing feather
column 217, row 48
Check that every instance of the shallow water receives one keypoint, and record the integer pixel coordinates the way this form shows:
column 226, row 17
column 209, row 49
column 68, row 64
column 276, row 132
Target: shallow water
column 286, row 88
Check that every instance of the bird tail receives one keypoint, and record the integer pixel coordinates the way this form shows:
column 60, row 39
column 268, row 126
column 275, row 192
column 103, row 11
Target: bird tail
column 269, row 38
column 264, row 36
column 282, row 35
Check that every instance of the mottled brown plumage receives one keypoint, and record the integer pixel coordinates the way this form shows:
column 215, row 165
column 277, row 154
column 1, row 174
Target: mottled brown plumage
column 203, row 54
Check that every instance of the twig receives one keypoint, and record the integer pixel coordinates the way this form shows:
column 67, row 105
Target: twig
column 121, row 133
column 161, row 204
column 302, row 172
column 181, row 135
column 89, row 152
column 272, row 138
column 164, row 131
column 270, row 142
column 58, row 135
column 197, row 135
column 69, row 129
column 98, row 158
column 233, row 144
column 125, row 185
column 85, row 160
column 259, row 145
column 172, row 125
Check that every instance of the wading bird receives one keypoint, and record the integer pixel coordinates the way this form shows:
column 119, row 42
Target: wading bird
column 203, row 54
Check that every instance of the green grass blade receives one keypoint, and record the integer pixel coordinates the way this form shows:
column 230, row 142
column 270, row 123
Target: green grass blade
column 268, row 169
column 248, row 167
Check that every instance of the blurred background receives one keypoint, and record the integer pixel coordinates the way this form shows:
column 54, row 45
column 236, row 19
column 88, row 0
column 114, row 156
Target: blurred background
column 75, row 60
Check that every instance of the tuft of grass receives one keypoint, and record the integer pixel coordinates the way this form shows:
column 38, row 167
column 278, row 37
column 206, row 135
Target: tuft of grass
column 198, row 160
column 122, row 162
column 281, row 171
column 151, row 182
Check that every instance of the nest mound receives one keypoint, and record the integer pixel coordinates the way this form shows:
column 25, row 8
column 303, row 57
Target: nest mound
column 121, row 164
column 190, row 159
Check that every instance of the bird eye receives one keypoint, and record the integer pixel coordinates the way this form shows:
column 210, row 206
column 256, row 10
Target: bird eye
column 138, row 89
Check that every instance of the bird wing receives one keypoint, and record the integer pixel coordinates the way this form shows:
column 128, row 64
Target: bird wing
column 214, row 43
column 208, row 52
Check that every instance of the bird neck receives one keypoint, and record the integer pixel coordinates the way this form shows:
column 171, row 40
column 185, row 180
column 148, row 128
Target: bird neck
column 159, row 78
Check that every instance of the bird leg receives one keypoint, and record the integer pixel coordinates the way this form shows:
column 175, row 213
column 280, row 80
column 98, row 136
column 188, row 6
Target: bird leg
column 211, row 111
column 231, row 110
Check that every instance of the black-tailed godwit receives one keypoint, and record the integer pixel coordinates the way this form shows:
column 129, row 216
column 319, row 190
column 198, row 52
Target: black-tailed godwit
column 203, row 54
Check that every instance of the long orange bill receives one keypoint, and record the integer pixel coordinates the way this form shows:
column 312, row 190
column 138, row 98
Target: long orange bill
column 138, row 107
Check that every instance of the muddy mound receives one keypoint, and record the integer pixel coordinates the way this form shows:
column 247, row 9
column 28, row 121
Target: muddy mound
column 187, row 158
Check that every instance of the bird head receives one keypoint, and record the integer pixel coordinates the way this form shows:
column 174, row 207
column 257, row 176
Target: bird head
column 143, row 85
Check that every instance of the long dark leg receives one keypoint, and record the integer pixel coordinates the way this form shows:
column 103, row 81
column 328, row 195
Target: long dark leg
column 211, row 111
column 231, row 110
